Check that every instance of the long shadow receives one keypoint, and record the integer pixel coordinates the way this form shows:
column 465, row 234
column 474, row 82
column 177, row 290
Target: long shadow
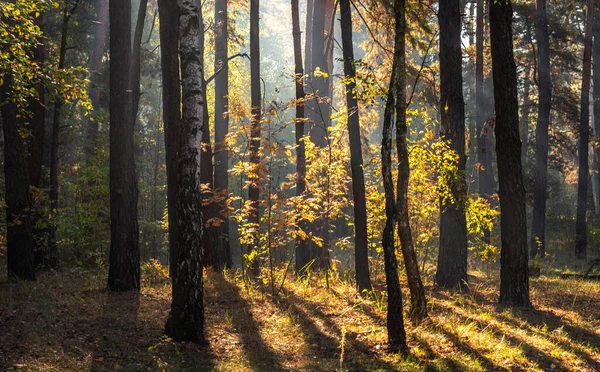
column 353, row 345
column 576, row 334
column 531, row 352
column 260, row 356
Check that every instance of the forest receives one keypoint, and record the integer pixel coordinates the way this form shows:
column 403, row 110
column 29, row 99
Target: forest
column 300, row 185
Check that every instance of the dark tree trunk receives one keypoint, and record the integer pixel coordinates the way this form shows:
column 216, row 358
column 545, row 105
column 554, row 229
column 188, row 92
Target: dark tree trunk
column 51, row 257
column 584, row 138
column 452, row 259
column 395, row 319
column 186, row 319
column 484, row 133
column 222, row 248
column 124, row 260
column 361, row 256
column 96, row 73
column 136, row 58
column 540, row 186
column 302, row 253
column 514, row 273
column 596, row 96
column 169, row 41
column 19, row 240
column 254, row 189
column 525, row 113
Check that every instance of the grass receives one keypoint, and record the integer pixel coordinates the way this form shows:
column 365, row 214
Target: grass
column 66, row 322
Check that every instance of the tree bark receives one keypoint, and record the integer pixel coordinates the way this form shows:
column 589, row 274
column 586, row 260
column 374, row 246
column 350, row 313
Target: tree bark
column 124, row 260
column 136, row 58
column 484, row 133
column 596, row 97
column 254, row 189
column 361, row 256
column 395, row 318
column 169, row 41
column 452, row 259
column 514, row 273
column 540, row 186
column 584, row 138
column 221, row 159
column 186, row 319
column 19, row 236
column 302, row 252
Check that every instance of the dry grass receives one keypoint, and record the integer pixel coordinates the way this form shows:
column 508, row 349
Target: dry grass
column 66, row 322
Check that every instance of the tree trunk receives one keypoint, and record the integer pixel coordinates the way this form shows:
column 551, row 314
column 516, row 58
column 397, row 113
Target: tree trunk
column 395, row 319
column 19, row 236
column 136, row 58
column 124, row 260
column 96, row 73
column 302, row 252
column 596, row 116
column 254, row 189
column 169, row 41
column 514, row 273
column 525, row 113
column 221, row 159
column 540, row 186
column 361, row 256
column 452, row 259
column 186, row 319
column 584, row 138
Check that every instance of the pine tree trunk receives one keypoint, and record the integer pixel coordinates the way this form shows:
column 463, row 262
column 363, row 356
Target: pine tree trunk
column 136, row 58
column 514, row 273
column 584, row 138
column 124, row 260
column 186, row 319
column 596, row 97
column 19, row 236
column 361, row 256
column 452, row 259
column 484, row 133
column 169, row 41
column 221, row 159
column 302, row 253
column 540, row 186
column 254, row 189
column 395, row 318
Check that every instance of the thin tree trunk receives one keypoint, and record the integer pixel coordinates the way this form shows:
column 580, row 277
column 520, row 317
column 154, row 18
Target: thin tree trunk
column 136, row 58
column 186, row 318
column 124, row 260
column 596, row 97
column 514, row 273
column 169, row 41
column 395, row 318
column 540, row 186
column 100, row 27
column 302, row 253
column 254, row 189
column 361, row 256
column 525, row 113
column 221, row 159
column 452, row 259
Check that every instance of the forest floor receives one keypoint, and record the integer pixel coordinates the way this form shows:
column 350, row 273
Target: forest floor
column 66, row 322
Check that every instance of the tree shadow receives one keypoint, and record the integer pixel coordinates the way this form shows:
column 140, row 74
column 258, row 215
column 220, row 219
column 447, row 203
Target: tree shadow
column 358, row 355
column 260, row 356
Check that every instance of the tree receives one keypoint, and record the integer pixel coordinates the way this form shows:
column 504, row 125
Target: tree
column 484, row 133
column 124, row 260
column 395, row 319
column 19, row 236
column 584, row 138
column 169, row 41
column 302, row 253
column 186, row 318
column 596, row 97
column 514, row 273
column 221, row 159
column 361, row 256
column 255, row 137
column 540, row 186
column 452, row 259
